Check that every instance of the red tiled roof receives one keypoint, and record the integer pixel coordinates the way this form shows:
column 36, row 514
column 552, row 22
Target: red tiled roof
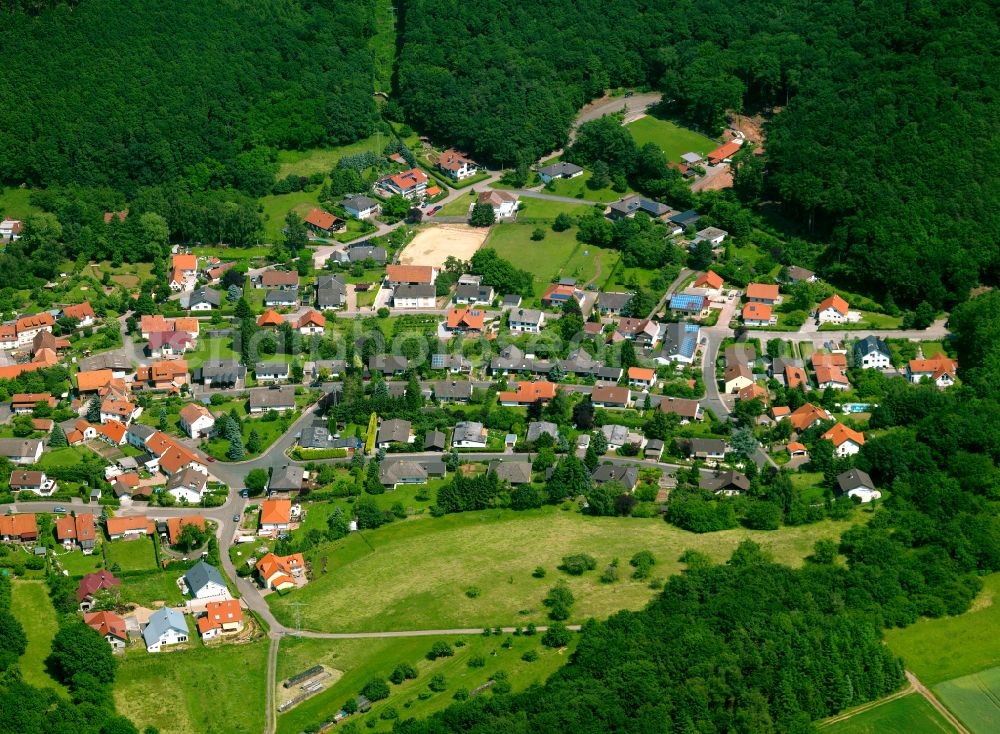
column 452, row 160
column 839, row 433
column 937, row 365
column 35, row 321
column 407, row 179
column 79, row 311
column 410, row 273
column 835, row 302
column 219, row 613
column 466, row 318
column 275, row 512
column 829, row 360
column 709, row 280
column 107, row 624
column 529, row 392
column 274, row 278
column 723, row 151
column 754, row 311
column 21, row 525
column 270, row 318
column 312, row 318
column 185, row 262
column 763, row 291
column 795, row 376
column 176, row 524
column 320, row 219
column 108, row 216
column 93, row 582
column 806, row 415
column 641, row 373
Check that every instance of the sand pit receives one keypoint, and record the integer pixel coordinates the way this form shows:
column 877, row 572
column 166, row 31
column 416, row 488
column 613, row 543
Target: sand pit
column 435, row 245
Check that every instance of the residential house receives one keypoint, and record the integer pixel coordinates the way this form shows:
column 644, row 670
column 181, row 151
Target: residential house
column 311, row 322
column 221, row 373
column 797, row 449
column 331, row 292
column 92, row 583
column 470, row 290
column 166, row 626
column 394, row 472
column 710, row 281
column 685, row 305
column 616, row 436
column 10, row 229
column 204, row 299
column 281, row 299
column 872, row 353
column 465, row 320
column 82, row 312
column 511, row 300
column 611, row 397
column 23, row 403
column 28, row 327
column 856, row 483
column 831, row 377
column 215, row 273
column 272, row 371
column 118, row 364
column 644, row 332
column 527, row 320
column 766, row 293
column 435, row 441
column 19, row 528
column 172, row 457
column 641, row 378
column 109, row 626
column 713, row 235
column 410, row 184
column 278, row 573
column 736, row 377
column 414, row 296
column 832, row 310
column 184, row 272
column 275, row 516
column 528, row 392
column 692, row 159
column 758, row 314
column 323, row 222
column 795, row 377
column 196, row 420
column 559, row 293
column 629, row 206
column 706, row 448
column 393, row 431
column 163, row 375
column 562, row 169
column 168, row 344
column 361, row 207
column 684, row 220
column 504, row 203
column 612, row 303
column 680, row 343
column 270, row 319
column 627, row 475
column 795, row 274
column 119, row 410
column 205, row 581
column 188, row 486
column 174, row 526
column 130, row 527
column 36, row 482
column 388, row 364
column 453, row 391
column 457, row 165
column 807, row 416
column 740, row 353
column 939, row 369
column 513, row 472
column 317, row 436
column 220, row 618
column 753, row 392
column 536, row 429
column 21, row 450
column 846, row 441
column 286, row 480
column 410, row 275
column 360, row 253
column 469, row 435
column 688, row 410
column 653, row 449
column 728, row 483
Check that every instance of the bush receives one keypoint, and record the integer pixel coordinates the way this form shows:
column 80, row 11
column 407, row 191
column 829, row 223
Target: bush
column 461, row 694
column 577, row 564
column 609, row 575
column 642, row 562
column 376, row 689
column 530, row 656
column 538, row 234
column 559, row 601
column 438, row 683
column 472, row 592
column 538, row 573
column 556, row 636
column 477, row 662
column 403, row 671
column 388, row 713
column 440, row 649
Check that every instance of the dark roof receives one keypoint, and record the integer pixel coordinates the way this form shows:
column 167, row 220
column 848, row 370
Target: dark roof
column 453, row 389
column 854, row 478
column 388, row 363
column 686, row 219
column 871, row 344
column 286, row 479
column 423, row 290
column 719, row 481
column 515, row 472
column 626, row 474
column 281, row 297
column 200, row 575
column 275, row 397
column 435, row 440
column 395, row 431
column 562, row 168
column 359, row 203
column 272, row 368
column 613, row 301
column 205, row 295
column 706, row 446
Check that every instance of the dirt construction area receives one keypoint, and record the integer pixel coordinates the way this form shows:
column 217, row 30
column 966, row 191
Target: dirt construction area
column 435, row 245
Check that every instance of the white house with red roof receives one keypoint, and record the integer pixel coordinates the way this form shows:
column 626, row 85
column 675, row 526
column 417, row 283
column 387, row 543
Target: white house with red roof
column 323, row 222
column 834, row 310
column 409, row 184
column 457, row 165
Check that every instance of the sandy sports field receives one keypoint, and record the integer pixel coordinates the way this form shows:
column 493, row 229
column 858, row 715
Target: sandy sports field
column 436, row 244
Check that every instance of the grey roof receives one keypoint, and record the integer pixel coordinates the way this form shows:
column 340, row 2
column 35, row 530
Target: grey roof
column 653, row 444
column 360, row 253
column 537, row 428
column 200, row 575
column 397, row 471
column 277, row 369
column 631, row 204
column 719, row 481
column 740, row 353
column 562, row 168
column 390, row 363
column 275, row 397
column 453, row 390
column 679, row 339
column 161, row 621
column 450, row 362
column 871, row 344
column 331, row 290
column 686, row 219
column 626, row 474
column 435, row 440
column 359, row 203
column 316, row 436
column 616, row 435
column 691, row 157
column 579, row 362
column 796, row 273
column 473, row 292
column 224, row 371
column 613, row 301
column 205, row 295
column 612, row 374
column 706, row 446
column 394, row 431
column 106, row 361
column 17, row 447
column 140, row 431
column 469, row 431
column 526, row 315
column 421, row 290
column 330, row 281
column 854, row 478
column 287, row 478
column 281, row 298
column 512, row 300
column 710, row 233
column 514, row 472
column 189, row 478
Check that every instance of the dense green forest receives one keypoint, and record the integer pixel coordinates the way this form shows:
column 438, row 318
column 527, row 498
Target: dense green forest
column 885, row 144
column 123, row 92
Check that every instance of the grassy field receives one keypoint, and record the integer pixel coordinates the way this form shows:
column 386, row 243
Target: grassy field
column 66, row 456
column 589, row 263
column 457, row 208
column 907, row 715
column 14, row 203
column 152, row 588
column 543, row 259
column 275, row 207
column 78, row 564
column 130, row 275
column 135, row 555
column 360, row 660
column 578, row 188
column 208, row 349
column 942, row 649
column 424, row 566
column 269, row 432
column 321, row 160
column 548, row 210
column 383, row 44
column 218, row 689
column 34, row 611
column 869, row 320
column 974, row 699
column 674, row 140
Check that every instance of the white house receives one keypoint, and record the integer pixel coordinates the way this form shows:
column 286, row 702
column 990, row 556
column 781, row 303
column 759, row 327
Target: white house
column 188, row 486
column 846, row 441
column 10, row 229
column 504, row 203
column 469, row 435
column 526, row 320
column 311, row 322
column 361, row 207
column 204, row 581
column 21, row 450
column 196, row 420
column 833, row 310
column 220, row 618
column 456, row 165
column 166, row 626
column 872, row 353
column 856, row 483
column 272, row 371
column 414, row 296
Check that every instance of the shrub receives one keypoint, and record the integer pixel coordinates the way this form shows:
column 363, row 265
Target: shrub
column 461, row 694
column 643, row 563
column 389, row 713
column 610, row 575
column 376, row 689
column 538, row 573
column 472, row 592
column 440, row 649
column 538, row 234
column 577, row 564
column 556, row 636
column 477, row 662
column 403, row 671
column 530, row 656
column 560, row 601
column 438, row 683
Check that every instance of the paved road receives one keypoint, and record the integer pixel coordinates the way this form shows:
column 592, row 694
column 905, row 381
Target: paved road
column 531, row 194
column 635, row 106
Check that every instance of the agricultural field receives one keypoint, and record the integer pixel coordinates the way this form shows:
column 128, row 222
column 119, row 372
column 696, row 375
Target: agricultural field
column 426, row 566
column 32, row 608
column 910, row 714
column 217, row 689
column 674, row 140
column 974, row 699
column 543, row 259
column 937, row 650
column 358, row 661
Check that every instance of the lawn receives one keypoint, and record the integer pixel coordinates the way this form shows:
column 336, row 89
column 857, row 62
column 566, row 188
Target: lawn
column 974, row 699
column 208, row 689
column 31, row 606
column 78, row 564
column 148, row 589
column 322, row 160
column 578, row 188
column 674, row 140
column 941, row 649
column 268, row 430
column 229, row 254
column 424, row 566
column 542, row 209
column 543, row 259
column 14, row 203
column 458, row 207
column 383, row 44
column 869, row 320
column 589, row 263
column 910, row 714
column 360, row 660
column 66, row 456
column 625, row 278
column 130, row 275
column 209, row 349
column 275, row 207
column 134, row 555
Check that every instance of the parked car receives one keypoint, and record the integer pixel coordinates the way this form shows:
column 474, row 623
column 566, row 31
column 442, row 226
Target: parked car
column 438, row 208
column 211, row 459
column 59, row 508
column 236, row 518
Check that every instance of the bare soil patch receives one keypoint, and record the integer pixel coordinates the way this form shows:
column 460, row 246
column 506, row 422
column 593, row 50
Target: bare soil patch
column 435, row 245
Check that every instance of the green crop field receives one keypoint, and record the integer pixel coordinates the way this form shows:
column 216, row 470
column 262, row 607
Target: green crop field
column 217, row 689
column 910, row 714
column 674, row 140
column 134, row 555
column 31, row 606
column 424, row 567
column 941, row 649
column 543, row 259
column 357, row 661
column 974, row 699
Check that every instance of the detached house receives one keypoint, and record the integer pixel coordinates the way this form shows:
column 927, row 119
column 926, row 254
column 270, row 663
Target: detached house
column 469, row 435
column 611, row 397
column 279, row 572
column 762, row 293
column 414, row 296
column 220, row 618
column 21, row 450
column 939, row 369
column 642, row 378
column 528, row 392
column 323, row 222
column 311, row 322
column 275, row 515
column 465, row 320
column 82, row 312
column 32, row 481
column 20, row 528
column 872, row 353
column 110, row 626
column 504, row 203
column 196, row 420
column 166, row 626
column 846, row 441
column 758, row 314
column 526, row 320
column 204, row 299
column 457, row 165
column 331, row 292
column 393, row 431
column 410, row 184
column 361, row 207
column 91, row 583
column 856, row 483
column 562, row 169
column 204, row 581
column 832, row 310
